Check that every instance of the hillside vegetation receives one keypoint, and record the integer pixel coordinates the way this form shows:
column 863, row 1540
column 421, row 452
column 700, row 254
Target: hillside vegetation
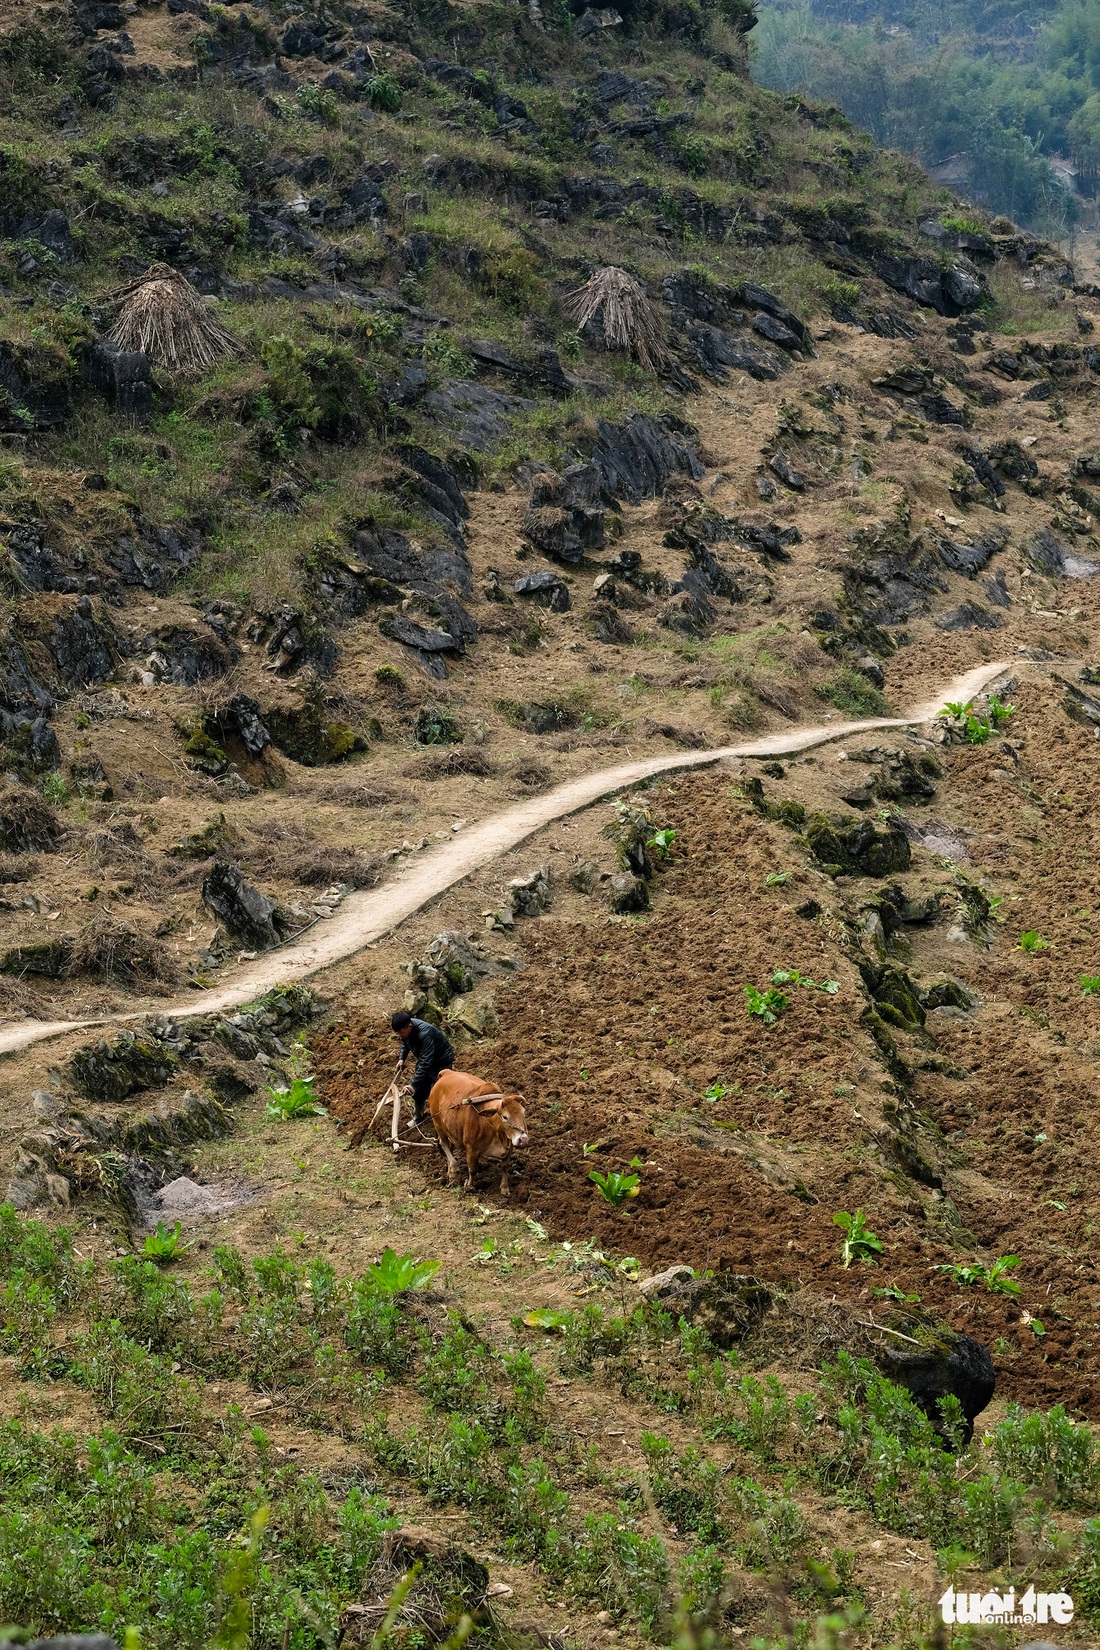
column 995, row 90
column 790, row 1318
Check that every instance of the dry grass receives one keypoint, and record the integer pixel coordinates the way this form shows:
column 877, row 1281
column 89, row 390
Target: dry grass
column 289, row 854
column 449, row 764
column 116, row 954
column 161, row 315
column 361, row 796
column 618, row 306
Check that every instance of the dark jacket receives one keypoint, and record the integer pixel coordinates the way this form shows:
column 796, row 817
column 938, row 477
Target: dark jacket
column 432, row 1053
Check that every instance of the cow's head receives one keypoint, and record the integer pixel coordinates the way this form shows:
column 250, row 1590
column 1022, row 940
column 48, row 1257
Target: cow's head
column 513, row 1117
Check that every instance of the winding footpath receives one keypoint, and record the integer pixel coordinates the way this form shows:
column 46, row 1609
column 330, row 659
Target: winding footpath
column 367, row 916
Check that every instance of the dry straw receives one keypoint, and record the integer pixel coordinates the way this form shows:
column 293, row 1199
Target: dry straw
column 627, row 317
column 162, row 315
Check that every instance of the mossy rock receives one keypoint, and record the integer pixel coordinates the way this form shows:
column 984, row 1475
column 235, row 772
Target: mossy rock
column 205, row 754
column 213, row 838
column 726, row 1306
column 312, row 736
column 896, row 997
column 788, row 812
column 872, row 1021
column 50, row 958
column 948, row 993
column 177, row 1120
column 933, row 1361
column 111, row 1071
column 862, row 848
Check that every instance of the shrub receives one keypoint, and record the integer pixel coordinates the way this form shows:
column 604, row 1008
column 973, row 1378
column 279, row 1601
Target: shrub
column 383, row 91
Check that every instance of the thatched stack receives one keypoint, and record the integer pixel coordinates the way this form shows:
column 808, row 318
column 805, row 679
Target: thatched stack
column 613, row 304
column 162, row 315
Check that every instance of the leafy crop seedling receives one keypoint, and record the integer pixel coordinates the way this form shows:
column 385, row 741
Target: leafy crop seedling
column 716, row 1091
column 614, row 1187
column 860, row 1243
column 765, row 1005
column 392, row 1273
column 995, row 1277
column 791, row 976
column 661, row 842
column 1032, row 941
column 1090, row 985
column 777, row 879
column 298, row 1100
column 164, row 1243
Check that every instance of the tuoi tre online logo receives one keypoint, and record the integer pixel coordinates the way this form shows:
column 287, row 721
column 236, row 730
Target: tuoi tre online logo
column 1003, row 1609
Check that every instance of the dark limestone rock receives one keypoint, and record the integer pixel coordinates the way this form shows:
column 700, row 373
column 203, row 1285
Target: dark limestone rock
column 775, row 332
column 185, row 656
column 780, row 465
column 28, row 745
column 425, row 639
column 478, row 416
column 637, row 457
column 863, row 848
column 50, row 958
column 969, row 559
column 112, row 1071
column 549, row 529
column 80, row 648
column 1048, row 554
column 726, row 1306
column 629, row 894
column 969, row 616
column 948, row 993
column 257, row 922
column 546, row 589
column 944, row 1363
column 125, row 377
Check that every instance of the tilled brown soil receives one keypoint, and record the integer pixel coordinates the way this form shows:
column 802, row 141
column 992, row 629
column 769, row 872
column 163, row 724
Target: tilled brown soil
column 615, row 1029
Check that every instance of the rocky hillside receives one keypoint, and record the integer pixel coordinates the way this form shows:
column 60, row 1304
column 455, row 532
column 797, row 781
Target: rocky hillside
column 416, row 541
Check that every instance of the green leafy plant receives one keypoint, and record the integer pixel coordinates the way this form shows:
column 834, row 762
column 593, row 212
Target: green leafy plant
column 54, row 788
column 777, row 879
column 661, row 842
column 1032, row 941
column 995, row 1277
column 767, row 1005
column 319, row 102
column 1090, row 985
column 791, row 976
column 383, row 91
column 544, row 1317
column 616, row 1188
column 717, row 1091
column 297, row 1101
column 999, row 713
column 164, row 1243
column 956, row 708
column 393, row 1274
column 860, row 1243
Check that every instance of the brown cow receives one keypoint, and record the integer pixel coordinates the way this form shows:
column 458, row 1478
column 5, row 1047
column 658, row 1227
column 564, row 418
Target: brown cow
column 476, row 1118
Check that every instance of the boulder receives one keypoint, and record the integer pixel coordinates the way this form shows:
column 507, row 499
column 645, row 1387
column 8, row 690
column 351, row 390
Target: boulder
column 629, row 894
column 530, row 895
column 546, row 589
column 549, row 529
column 111, row 1071
column 726, row 1306
column 933, row 1361
column 124, row 377
column 637, row 457
column 863, row 848
column 253, row 919
column 80, row 648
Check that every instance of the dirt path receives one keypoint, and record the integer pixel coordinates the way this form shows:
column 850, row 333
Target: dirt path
column 366, row 916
